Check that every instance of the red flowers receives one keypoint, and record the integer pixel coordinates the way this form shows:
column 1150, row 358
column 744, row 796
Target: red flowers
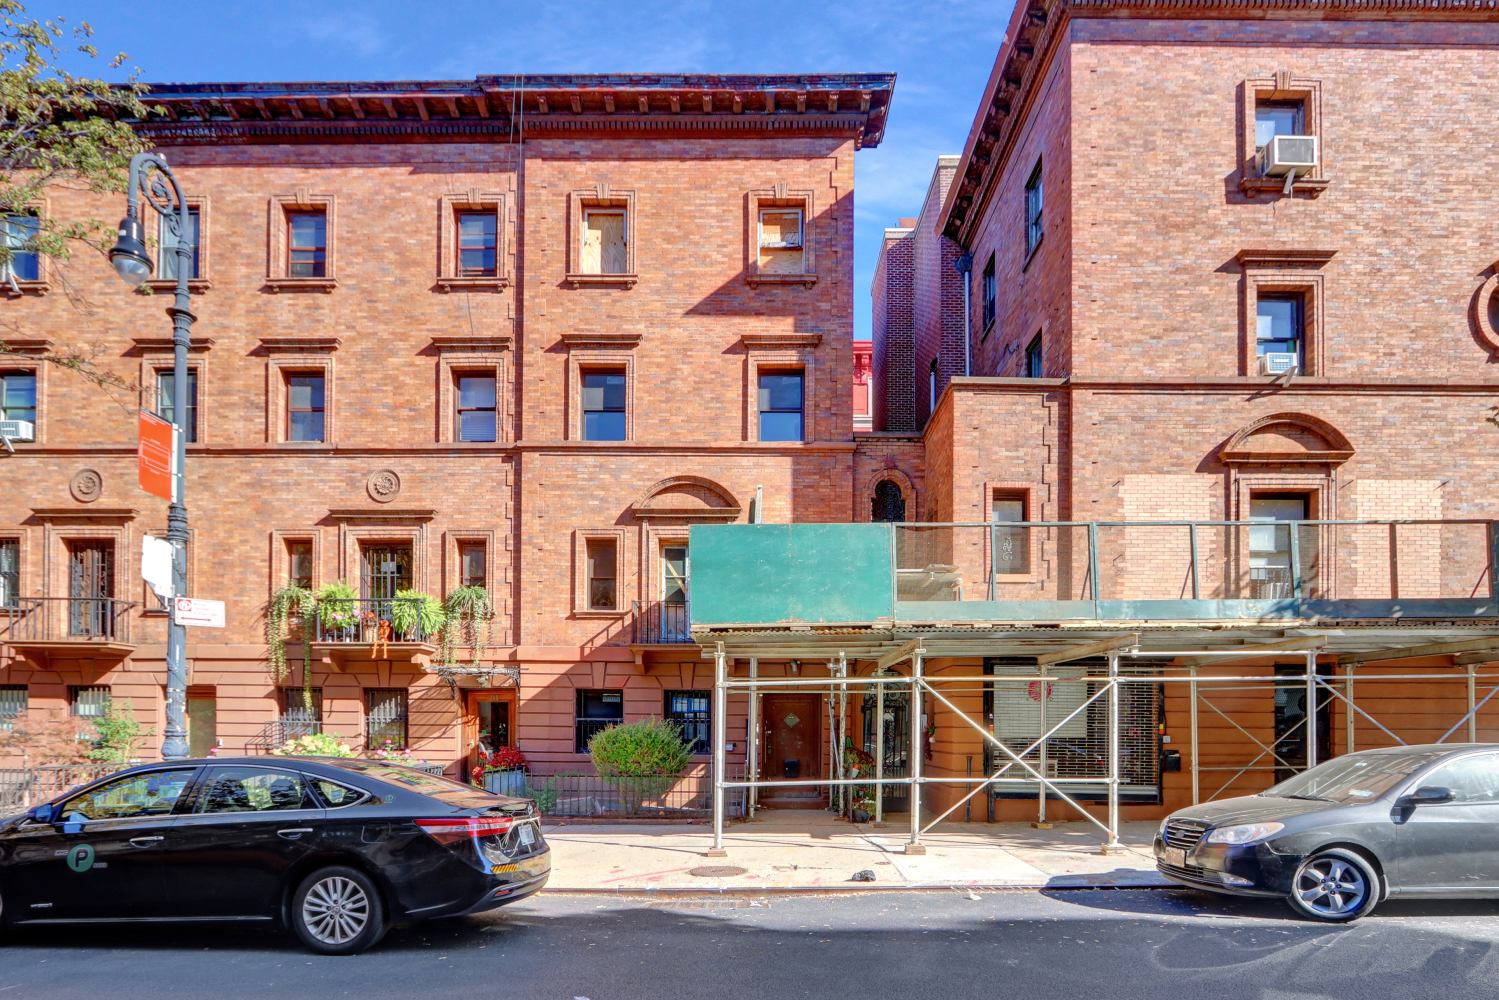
column 506, row 759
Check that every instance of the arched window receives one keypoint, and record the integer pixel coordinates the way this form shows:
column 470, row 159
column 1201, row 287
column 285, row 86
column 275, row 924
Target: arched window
column 887, row 504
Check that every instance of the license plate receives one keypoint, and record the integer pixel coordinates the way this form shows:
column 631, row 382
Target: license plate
column 1175, row 856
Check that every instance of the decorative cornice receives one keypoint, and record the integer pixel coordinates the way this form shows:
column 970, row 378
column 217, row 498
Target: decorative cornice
column 849, row 104
column 403, row 514
column 164, row 345
column 473, row 345
column 619, row 341
column 1284, row 257
column 26, row 345
column 55, row 514
column 300, row 345
column 779, row 341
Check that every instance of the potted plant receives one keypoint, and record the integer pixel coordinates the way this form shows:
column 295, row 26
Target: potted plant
column 286, row 617
column 337, row 606
column 504, row 772
column 314, row 745
column 642, row 760
column 415, row 616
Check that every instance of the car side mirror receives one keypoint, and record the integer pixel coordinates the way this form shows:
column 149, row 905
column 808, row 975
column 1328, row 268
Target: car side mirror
column 1427, row 795
column 40, row 814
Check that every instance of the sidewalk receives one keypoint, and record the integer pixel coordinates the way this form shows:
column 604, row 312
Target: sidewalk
column 810, row 849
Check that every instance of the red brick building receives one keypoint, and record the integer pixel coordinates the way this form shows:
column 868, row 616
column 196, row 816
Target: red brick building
column 514, row 333
column 1174, row 319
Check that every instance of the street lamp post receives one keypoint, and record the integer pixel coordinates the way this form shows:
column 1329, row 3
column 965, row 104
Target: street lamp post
column 133, row 264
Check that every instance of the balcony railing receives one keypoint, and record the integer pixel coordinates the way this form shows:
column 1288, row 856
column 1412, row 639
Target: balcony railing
column 361, row 620
column 65, row 619
column 661, row 623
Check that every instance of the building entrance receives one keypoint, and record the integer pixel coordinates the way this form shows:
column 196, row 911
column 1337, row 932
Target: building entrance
column 793, row 748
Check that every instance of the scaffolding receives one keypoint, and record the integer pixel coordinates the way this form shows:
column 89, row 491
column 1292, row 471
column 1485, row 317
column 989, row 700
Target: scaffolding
column 1126, row 663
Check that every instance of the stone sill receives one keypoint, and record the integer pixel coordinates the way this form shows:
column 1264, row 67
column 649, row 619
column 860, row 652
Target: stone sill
column 496, row 284
column 301, row 284
column 602, row 280
column 756, row 280
column 170, row 285
column 25, row 288
column 1310, row 186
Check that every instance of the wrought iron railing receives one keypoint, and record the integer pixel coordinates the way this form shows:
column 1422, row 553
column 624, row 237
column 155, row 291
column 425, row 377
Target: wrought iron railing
column 660, row 622
column 368, row 621
column 274, row 735
column 651, row 796
column 66, row 619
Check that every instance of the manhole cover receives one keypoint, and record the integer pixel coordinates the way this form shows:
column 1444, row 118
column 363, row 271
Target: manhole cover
column 717, row 871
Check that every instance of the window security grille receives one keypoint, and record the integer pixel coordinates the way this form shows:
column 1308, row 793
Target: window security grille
column 87, row 702
column 385, row 717
column 691, row 710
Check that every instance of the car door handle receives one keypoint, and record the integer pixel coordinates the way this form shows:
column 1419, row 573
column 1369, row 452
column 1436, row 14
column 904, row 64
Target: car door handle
column 143, row 841
column 294, row 832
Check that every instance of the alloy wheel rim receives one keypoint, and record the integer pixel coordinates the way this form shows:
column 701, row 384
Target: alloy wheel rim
column 1331, row 887
column 336, row 910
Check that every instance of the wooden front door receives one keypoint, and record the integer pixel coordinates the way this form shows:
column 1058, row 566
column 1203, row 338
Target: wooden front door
column 488, row 724
column 793, row 743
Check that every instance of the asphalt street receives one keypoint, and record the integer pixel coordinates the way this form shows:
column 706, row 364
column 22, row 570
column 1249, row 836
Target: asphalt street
column 1017, row 943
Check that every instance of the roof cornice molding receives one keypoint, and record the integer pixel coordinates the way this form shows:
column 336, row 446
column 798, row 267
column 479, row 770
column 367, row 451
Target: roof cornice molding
column 851, row 104
column 1037, row 27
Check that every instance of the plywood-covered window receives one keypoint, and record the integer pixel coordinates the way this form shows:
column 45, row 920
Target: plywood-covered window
column 605, row 242
column 781, row 241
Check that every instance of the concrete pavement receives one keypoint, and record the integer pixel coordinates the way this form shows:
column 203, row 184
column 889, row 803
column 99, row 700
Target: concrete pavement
column 810, row 849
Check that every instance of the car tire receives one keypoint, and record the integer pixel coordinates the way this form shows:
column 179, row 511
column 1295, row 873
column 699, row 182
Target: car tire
column 1336, row 886
column 338, row 911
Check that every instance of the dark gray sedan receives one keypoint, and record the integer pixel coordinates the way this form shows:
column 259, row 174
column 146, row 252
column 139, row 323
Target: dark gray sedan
column 1419, row 821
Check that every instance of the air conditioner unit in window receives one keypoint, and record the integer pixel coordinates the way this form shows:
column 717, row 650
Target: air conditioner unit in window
column 18, row 430
column 1279, row 363
column 1288, row 154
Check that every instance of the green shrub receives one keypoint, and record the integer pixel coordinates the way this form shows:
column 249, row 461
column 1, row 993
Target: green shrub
column 411, row 606
column 315, row 745
column 120, row 737
column 640, row 759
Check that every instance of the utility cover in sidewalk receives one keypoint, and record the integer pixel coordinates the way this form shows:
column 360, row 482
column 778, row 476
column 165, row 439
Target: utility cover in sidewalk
column 717, row 871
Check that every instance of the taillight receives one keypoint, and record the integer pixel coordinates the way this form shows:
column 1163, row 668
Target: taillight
column 455, row 830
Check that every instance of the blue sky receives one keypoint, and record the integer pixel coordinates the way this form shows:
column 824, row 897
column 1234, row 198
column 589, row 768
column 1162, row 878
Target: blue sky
column 942, row 53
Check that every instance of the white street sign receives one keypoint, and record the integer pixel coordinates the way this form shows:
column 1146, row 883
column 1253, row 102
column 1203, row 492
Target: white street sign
column 197, row 611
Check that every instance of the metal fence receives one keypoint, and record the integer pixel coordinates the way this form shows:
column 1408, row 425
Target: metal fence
column 274, row 735
column 22, row 788
column 656, row 796
column 358, row 620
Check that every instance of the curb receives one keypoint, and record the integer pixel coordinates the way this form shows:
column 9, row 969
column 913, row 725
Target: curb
column 761, row 892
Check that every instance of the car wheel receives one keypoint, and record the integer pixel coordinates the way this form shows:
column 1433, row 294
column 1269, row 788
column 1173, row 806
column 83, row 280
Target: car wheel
column 1336, row 886
column 338, row 911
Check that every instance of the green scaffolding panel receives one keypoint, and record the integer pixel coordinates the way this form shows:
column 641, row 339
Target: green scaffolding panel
column 766, row 573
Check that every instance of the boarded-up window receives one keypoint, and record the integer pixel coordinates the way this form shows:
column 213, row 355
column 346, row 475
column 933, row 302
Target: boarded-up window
column 602, row 593
column 604, row 243
column 781, row 241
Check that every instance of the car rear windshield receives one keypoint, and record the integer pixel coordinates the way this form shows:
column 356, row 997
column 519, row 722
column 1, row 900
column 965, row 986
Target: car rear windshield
column 1354, row 778
column 449, row 791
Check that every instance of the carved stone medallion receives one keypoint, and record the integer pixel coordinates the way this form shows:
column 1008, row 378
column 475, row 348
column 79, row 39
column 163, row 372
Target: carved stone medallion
column 383, row 486
column 87, row 486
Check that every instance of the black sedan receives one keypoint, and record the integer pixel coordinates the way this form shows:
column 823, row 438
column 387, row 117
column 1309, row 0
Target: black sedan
column 1412, row 821
column 336, row 849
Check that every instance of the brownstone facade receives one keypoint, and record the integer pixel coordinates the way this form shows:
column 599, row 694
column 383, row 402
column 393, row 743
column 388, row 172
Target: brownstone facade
column 627, row 223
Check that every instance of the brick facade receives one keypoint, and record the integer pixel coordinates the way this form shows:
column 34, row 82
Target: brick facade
column 393, row 326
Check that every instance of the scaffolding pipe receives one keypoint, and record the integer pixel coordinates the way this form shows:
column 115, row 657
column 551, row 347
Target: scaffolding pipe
column 879, row 755
column 720, row 753
column 752, row 745
column 1113, row 844
column 1311, row 693
column 1041, row 789
column 1472, row 704
column 918, row 724
column 1196, row 780
column 843, row 728
column 1349, row 718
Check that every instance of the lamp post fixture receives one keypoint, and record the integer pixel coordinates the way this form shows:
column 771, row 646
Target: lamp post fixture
column 133, row 263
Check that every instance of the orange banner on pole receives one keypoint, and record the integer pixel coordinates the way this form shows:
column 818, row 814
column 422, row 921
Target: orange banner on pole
column 156, row 455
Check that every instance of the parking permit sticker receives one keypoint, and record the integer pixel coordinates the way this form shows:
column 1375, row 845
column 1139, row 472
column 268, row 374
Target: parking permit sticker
column 527, row 835
column 81, row 858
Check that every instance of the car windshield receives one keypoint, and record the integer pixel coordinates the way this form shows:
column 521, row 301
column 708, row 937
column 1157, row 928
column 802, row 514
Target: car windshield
column 1354, row 778
column 449, row 791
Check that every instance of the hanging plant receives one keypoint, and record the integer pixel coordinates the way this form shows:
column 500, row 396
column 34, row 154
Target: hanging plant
column 469, row 618
column 288, row 603
column 411, row 609
column 337, row 608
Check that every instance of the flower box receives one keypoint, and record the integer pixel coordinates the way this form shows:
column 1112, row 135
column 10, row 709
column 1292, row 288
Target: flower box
column 511, row 782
